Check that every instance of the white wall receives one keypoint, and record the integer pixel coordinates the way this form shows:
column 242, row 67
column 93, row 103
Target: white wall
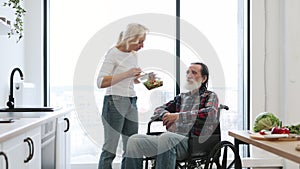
column 34, row 47
column 292, row 60
column 275, row 50
column 13, row 54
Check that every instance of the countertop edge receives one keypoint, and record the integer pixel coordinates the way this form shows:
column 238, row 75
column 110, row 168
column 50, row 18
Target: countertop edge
column 30, row 123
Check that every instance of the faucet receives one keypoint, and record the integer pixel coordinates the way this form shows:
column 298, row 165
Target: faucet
column 11, row 99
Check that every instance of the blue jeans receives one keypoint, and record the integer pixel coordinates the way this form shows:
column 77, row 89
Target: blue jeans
column 167, row 148
column 119, row 117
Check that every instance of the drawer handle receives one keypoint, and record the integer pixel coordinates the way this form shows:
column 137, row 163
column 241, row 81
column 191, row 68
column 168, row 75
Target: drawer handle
column 68, row 125
column 5, row 157
column 32, row 152
column 30, row 143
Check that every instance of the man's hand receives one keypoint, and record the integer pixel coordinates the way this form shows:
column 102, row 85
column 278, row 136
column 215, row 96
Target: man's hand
column 169, row 119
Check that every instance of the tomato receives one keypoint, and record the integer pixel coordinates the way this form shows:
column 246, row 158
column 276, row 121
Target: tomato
column 152, row 81
column 262, row 132
column 286, row 130
column 276, row 130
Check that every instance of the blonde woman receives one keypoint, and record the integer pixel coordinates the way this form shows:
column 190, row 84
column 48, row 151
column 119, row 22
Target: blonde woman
column 118, row 74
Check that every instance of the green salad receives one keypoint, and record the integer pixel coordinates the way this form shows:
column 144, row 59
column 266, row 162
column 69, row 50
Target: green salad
column 154, row 83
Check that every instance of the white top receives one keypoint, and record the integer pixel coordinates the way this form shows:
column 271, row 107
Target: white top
column 116, row 62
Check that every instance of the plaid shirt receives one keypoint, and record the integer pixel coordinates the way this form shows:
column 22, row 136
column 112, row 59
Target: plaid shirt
column 195, row 111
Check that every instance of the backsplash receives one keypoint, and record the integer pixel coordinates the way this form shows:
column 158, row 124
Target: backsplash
column 12, row 56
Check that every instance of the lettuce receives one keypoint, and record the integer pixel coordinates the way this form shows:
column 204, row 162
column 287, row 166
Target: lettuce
column 266, row 121
column 151, row 84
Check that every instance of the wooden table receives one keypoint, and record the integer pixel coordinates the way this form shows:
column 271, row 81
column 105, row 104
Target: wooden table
column 281, row 148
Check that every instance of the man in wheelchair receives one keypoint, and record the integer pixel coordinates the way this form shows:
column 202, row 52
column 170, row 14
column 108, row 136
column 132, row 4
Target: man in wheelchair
column 188, row 112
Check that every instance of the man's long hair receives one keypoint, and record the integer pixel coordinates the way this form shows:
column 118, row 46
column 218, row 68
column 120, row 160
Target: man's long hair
column 204, row 72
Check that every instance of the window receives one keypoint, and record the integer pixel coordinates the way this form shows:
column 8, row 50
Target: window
column 74, row 25
column 222, row 23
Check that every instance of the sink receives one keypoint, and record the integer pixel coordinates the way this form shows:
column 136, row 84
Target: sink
column 9, row 115
column 19, row 115
column 29, row 109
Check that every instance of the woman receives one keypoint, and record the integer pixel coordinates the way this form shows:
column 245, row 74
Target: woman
column 118, row 74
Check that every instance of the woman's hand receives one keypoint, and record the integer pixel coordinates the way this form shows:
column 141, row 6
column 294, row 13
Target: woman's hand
column 134, row 72
column 111, row 80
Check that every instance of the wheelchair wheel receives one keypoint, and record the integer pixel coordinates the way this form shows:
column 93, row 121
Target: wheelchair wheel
column 218, row 157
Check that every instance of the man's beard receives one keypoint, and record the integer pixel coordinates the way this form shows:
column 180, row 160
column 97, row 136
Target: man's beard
column 192, row 85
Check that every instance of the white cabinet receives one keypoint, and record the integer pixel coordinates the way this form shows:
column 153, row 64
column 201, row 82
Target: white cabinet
column 63, row 142
column 35, row 135
column 22, row 151
column 3, row 159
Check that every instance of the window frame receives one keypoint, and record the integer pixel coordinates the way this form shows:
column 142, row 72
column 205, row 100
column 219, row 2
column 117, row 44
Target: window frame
column 246, row 65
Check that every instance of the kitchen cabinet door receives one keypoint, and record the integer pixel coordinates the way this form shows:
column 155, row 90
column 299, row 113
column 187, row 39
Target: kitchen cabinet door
column 23, row 151
column 35, row 162
column 16, row 151
column 3, row 158
column 63, row 142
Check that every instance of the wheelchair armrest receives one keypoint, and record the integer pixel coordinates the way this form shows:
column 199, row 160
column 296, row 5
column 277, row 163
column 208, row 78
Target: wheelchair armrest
column 149, row 127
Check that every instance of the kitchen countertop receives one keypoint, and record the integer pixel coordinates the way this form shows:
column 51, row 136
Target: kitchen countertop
column 21, row 124
column 283, row 148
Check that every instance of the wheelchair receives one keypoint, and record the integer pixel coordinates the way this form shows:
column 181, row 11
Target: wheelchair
column 210, row 153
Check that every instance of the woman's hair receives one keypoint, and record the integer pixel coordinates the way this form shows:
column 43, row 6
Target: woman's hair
column 204, row 72
column 132, row 31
